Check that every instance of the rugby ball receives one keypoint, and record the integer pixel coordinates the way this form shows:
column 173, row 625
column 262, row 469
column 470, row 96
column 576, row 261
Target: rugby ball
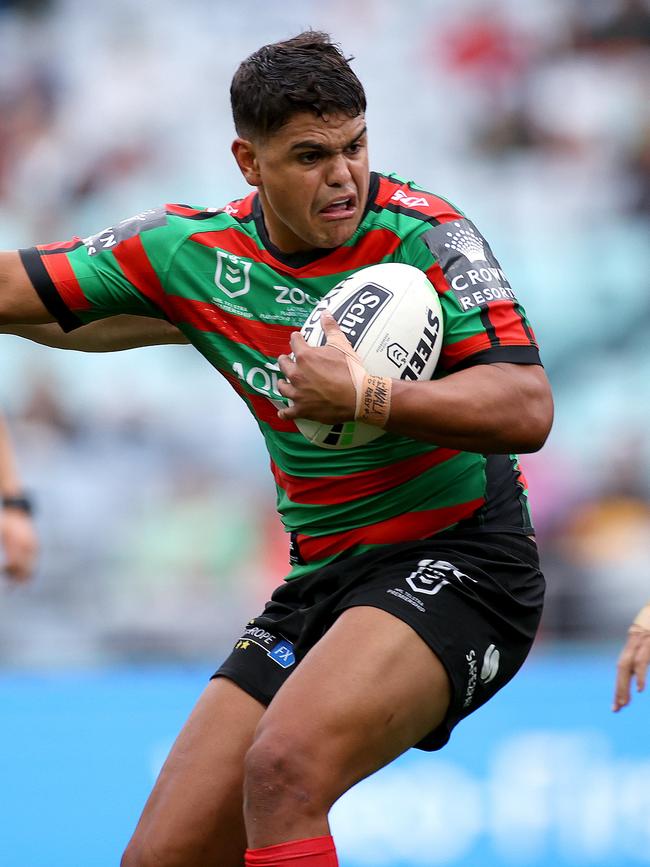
column 392, row 317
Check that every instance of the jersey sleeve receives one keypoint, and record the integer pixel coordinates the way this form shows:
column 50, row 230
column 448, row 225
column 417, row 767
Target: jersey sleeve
column 121, row 269
column 483, row 321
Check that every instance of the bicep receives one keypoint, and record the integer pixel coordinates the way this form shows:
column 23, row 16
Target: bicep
column 19, row 300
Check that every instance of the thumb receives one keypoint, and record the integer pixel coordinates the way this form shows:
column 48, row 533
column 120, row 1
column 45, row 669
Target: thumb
column 329, row 323
column 335, row 337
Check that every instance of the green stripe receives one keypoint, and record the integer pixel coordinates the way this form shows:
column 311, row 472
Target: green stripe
column 456, row 481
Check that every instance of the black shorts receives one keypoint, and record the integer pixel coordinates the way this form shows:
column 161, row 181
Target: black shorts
column 476, row 600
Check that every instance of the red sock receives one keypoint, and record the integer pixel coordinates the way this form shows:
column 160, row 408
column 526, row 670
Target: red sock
column 317, row 852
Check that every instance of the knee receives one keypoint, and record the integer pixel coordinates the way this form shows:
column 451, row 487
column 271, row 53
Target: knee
column 281, row 772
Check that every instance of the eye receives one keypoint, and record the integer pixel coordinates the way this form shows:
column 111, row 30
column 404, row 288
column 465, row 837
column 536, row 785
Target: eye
column 309, row 158
column 355, row 148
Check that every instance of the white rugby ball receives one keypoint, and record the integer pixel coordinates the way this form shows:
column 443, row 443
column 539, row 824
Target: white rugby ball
column 391, row 315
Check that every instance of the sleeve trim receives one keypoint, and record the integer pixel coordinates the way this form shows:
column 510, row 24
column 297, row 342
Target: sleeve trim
column 46, row 290
column 505, row 354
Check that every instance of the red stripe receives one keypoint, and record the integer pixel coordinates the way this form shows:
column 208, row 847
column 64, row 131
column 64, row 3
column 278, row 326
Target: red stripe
column 138, row 270
column 265, row 337
column 453, row 353
column 241, row 208
column 183, row 210
column 522, row 478
column 436, row 276
column 507, row 323
column 435, row 207
column 373, row 246
column 72, row 244
column 60, row 270
column 261, row 406
column 333, row 490
column 402, row 528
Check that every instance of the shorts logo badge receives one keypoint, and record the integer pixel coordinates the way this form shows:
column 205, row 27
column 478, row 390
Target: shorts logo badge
column 283, row 654
column 432, row 575
column 277, row 648
column 232, row 275
column 472, row 677
column 490, row 665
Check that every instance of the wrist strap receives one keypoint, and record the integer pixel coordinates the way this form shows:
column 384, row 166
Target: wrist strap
column 372, row 393
column 21, row 502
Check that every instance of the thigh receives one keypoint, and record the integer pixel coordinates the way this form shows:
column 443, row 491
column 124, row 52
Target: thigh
column 366, row 692
column 193, row 816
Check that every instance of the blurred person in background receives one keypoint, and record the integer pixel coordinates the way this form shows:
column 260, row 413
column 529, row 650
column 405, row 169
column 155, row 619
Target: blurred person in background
column 18, row 537
column 634, row 659
column 343, row 671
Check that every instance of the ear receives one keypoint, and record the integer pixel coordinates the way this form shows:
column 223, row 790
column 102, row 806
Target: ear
column 244, row 153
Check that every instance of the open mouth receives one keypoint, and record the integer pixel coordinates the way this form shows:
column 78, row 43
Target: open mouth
column 342, row 208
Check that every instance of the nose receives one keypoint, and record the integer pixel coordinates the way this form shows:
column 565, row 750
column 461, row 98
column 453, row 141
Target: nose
column 338, row 171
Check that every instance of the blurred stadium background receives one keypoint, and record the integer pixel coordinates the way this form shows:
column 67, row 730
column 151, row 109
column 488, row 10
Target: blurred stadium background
column 155, row 503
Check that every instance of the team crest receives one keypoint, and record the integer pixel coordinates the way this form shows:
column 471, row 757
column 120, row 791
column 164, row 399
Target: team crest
column 233, row 274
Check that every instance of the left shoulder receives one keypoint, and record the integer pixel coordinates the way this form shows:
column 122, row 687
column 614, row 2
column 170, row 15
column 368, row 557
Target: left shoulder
column 400, row 196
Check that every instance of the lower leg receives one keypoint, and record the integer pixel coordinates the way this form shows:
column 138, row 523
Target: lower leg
column 194, row 817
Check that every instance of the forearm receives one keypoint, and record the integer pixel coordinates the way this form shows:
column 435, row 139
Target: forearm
column 107, row 335
column 489, row 409
column 10, row 485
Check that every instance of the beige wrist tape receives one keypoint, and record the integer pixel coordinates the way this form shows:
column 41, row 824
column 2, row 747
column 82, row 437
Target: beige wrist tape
column 642, row 619
column 372, row 392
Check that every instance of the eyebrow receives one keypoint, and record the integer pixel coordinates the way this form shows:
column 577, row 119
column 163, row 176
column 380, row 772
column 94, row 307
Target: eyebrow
column 317, row 146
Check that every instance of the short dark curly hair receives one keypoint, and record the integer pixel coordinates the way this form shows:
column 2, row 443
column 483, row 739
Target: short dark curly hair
column 306, row 73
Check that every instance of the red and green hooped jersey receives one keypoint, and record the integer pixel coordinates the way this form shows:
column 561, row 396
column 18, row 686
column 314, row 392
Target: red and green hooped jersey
column 216, row 275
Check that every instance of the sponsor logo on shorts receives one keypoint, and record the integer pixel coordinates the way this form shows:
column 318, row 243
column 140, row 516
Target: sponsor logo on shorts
column 283, row 654
column 432, row 575
column 470, row 267
column 490, row 665
column 277, row 648
column 405, row 596
column 472, row 677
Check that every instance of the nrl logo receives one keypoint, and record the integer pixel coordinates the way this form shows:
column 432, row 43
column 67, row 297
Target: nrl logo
column 232, row 275
column 397, row 354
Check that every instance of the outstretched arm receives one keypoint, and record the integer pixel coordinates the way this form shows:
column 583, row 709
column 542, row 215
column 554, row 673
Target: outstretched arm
column 17, row 533
column 19, row 301
column 23, row 313
column 106, row 335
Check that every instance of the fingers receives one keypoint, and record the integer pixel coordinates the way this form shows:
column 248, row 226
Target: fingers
column 633, row 663
column 642, row 660
column 622, row 688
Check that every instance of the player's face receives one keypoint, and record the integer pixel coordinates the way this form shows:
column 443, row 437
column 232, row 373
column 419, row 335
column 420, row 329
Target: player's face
column 312, row 176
